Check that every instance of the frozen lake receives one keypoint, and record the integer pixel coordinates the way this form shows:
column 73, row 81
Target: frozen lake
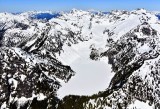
column 91, row 76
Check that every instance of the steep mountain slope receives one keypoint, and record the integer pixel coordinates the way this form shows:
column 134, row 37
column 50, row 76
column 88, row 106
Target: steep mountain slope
column 39, row 56
column 135, row 60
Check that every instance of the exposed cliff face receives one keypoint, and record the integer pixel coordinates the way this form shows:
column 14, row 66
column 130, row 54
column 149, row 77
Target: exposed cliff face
column 32, row 67
column 135, row 61
column 30, row 72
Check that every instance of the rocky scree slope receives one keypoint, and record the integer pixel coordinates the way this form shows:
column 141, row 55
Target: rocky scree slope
column 31, row 73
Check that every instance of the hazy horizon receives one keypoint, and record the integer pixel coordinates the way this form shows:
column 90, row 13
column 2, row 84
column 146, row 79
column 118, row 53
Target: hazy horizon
column 61, row 5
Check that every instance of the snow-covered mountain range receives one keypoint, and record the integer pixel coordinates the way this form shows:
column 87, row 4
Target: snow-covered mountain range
column 80, row 60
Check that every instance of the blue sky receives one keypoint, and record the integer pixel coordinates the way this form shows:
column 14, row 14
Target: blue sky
column 66, row 5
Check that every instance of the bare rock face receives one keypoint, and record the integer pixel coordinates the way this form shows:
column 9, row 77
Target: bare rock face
column 135, row 61
column 31, row 72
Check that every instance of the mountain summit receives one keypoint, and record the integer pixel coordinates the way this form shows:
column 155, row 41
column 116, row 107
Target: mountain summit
column 40, row 56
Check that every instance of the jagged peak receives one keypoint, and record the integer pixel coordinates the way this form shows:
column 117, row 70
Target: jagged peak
column 42, row 50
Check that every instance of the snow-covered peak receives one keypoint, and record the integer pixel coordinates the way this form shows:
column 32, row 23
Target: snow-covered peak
column 42, row 55
column 140, row 11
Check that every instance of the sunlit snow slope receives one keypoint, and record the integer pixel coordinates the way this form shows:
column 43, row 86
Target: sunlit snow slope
column 112, row 59
column 91, row 76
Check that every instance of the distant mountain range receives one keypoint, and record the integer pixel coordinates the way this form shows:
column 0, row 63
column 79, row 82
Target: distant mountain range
column 40, row 52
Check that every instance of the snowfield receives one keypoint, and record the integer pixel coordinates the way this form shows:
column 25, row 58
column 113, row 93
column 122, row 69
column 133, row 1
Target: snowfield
column 91, row 76
column 80, row 60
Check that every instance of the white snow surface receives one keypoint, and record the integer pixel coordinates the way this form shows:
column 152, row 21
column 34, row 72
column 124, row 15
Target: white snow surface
column 91, row 76
column 3, row 106
column 140, row 105
column 94, row 76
